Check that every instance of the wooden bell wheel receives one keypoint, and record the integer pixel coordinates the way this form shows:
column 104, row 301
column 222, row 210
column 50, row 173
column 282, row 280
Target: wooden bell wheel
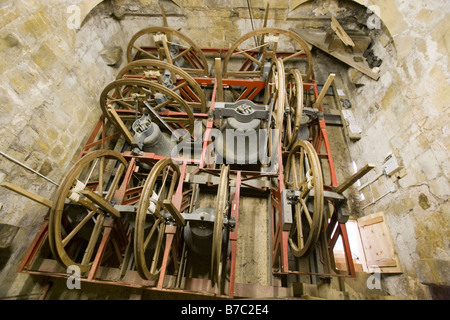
column 153, row 43
column 150, row 223
column 168, row 75
column 275, row 91
column 275, row 96
column 303, row 173
column 83, row 202
column 261, row 45
column 125, row 100
column 222, row 209
column 294, row 108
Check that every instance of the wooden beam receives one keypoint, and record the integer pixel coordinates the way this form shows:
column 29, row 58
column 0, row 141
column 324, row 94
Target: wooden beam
column 324, row 90
column 102, row 203
column 317, row 39
column 169, row 206
column 358, row 175
column 27, row 194
column 341, row 32
column 120, row 123
column 218, row 65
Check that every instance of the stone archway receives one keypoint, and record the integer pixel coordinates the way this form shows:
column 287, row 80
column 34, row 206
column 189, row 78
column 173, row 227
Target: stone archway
column 86, row 6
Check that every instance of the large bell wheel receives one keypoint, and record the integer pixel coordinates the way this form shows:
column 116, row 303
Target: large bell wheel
column 150, row 223
column 274, row 96
column 275, row 91
column 125, row 100
column 83, row 201
column 168, row 75
column 303, row 173
column 261, row 45
column 153, row 43
column 293, row 107
column 222, row 208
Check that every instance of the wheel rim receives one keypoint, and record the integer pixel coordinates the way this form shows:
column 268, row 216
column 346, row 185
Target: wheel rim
column 275, row 91
column 193, row 56
column 148, row 241
column 123, row 100
column 64, row 231
column 303, row 173
column 221, row 205
column 294, row 102
column 154, row 70
column 260, row 34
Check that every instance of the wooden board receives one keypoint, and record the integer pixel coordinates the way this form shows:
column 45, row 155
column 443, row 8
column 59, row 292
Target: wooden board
column 317, row 39
column 28, row 194
column 378, row 244
column 336, row 26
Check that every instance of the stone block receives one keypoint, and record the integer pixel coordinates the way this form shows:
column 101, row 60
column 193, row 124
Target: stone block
column 25, row 140
column 429, row 165
column 7, row 235
column 36, row 25
column 112, row 55
column 44, row 57
column 433, row 271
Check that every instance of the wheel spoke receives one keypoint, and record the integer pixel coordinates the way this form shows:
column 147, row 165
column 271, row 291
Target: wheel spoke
column 306, row 211
column 78, row 227
column 93, row 239
column 298, row 220
column 145, row 52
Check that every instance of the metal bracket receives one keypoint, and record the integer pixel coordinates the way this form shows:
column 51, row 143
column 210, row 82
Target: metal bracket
column 313, row 113
column 243, row 111
column 288, row 198
column 227, row 222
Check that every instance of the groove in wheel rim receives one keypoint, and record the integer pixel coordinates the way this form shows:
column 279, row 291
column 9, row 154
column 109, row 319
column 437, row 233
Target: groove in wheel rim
column 260, row 34
column 221, row 205
column 275, row 95
column 303, row 172
column 294, row 102
column 160, row 185
column 86, row 177
column 118, row 102
column 191, row 54
column 276, row 91
column 154, row 70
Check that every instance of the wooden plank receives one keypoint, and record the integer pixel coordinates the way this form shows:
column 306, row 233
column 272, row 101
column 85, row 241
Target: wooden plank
column 317, row 39
column 336, row 26
column 27, row 194
column 218, row 65
column 382, row 263
column 346, row 124
column 378, row 245
column 350, row 181
column 324, row 90
column 102, row 203
column 368, row 222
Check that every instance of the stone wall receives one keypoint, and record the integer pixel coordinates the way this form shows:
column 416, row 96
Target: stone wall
column 406, row 112
column 52, row 79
